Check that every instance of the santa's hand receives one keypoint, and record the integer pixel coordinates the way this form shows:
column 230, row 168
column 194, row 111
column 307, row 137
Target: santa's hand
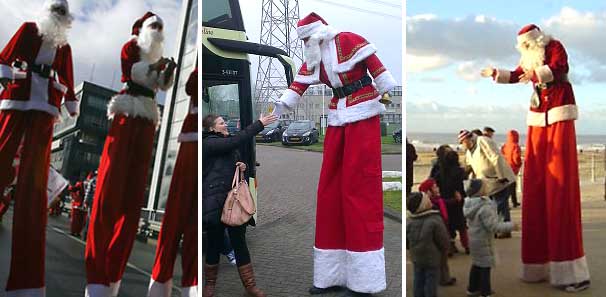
column 279, row 108
column 525, row 77
column 487, row 72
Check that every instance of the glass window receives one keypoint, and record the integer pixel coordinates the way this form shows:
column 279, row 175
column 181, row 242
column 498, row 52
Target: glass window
column 221, row 14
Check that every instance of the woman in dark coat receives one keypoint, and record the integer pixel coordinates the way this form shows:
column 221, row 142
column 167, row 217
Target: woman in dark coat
column 219, row 160
column 450, row 176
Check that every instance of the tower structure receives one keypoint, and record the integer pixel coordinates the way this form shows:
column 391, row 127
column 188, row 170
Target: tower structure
column 278, row 29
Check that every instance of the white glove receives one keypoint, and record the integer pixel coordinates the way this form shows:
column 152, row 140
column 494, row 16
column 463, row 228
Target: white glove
column 279, row 108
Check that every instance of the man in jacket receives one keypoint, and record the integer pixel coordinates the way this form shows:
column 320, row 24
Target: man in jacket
column 487, row 163
column 36, row 75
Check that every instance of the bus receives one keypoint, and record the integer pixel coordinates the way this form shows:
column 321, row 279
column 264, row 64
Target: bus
column 226, row 76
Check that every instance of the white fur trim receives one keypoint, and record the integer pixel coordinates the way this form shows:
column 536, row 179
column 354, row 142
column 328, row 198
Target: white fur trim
column 544, row 74
column 189, row 291
column 502, row 76
column 366, row 271
column 309, row 29
column 37, row 292
column 290, row 98
column 554, row 115
column 309, row 79
column 17, row 74
column 529, row 36
column 114, row 288
column 165, row 86
column 188, row 137
column 134, row 107
column 72, row 106
column 7, row 104
column 534, row 273
column 97, row 290
column 363, row 272
column 329, row 58
column 6, row 71
column 140, row 74
column 344, row 115
column 330, row 268
column 385, row 82
column 558, row 273
column 151, row 20
column 157, row 289
column 363, row 53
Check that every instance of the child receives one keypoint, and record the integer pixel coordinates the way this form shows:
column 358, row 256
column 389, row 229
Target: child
column 483, row 221
column 430, row 188
column 427, row 239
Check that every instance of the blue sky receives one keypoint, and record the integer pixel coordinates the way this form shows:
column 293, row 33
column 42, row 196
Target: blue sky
column 449, row 42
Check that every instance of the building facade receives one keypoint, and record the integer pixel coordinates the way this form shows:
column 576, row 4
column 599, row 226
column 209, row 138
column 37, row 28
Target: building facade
column 176, row 108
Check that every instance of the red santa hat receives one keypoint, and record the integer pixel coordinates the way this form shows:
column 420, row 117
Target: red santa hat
column 310, row 24
column 529, row 33
column 147, row 19
column 427, row 185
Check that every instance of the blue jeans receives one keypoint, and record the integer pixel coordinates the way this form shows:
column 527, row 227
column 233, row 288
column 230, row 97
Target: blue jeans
column 425, row 282
column 502, row 200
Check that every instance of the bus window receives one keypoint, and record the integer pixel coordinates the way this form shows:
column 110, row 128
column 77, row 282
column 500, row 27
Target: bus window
column 222, row 14
column 223, row 100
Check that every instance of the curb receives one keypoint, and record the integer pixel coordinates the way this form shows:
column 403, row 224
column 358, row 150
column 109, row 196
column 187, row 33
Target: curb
column 391, row 214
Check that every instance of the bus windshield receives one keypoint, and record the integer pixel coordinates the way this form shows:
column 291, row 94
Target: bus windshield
column 221, row 14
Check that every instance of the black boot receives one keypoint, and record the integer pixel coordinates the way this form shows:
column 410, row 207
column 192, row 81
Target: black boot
column 316, row 291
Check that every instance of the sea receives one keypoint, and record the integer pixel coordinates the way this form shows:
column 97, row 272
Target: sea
column 431, row 141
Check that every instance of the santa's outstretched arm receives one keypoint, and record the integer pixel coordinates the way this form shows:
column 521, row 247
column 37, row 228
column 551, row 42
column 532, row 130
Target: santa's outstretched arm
column 293, row 94
column 503, row 76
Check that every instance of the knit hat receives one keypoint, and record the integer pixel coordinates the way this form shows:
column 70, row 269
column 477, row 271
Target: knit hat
column 418, row 202
column 473, row 187
column 426, row 185
column 464, row 134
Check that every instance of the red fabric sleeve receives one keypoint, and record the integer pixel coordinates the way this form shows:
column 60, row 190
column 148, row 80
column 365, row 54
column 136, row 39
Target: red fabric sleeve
column 66, row 74
column 374, row 65
column 128, row 57
column 191, row 88
column 13, row 47
column 558, row 60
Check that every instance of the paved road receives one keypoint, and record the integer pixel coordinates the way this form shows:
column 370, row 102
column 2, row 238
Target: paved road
column 505, row 277
column 281, row 244
column 65, row 270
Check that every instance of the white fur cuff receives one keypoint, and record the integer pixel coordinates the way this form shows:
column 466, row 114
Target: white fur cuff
column 544, row 74
column 73, row 107
column 309, row 79
column 290, row 98
column 366, row 271
column 37, row 292
column 157, row 289
column 97, row 290
column 114, row 288
column 189, row 291
column 329, row 268
column 140, row 74
column 568, row 272
column 385, row 82
column 502, row 76
column 6, row 71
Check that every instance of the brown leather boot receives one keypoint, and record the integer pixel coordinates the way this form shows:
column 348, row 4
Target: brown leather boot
column 248, row 280
column 210, row 280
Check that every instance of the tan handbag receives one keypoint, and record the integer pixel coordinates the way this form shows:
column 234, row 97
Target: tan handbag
column 239, row 206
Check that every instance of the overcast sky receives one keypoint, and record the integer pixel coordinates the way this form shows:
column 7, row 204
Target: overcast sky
column 449, row 42
column 380, row 22
column 100, row 29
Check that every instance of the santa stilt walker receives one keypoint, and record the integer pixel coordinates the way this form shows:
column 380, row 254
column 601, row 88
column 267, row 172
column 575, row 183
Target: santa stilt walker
column 126, row 157
column 552, row 242
column 8, row 193
column 36, row 74
column 78, row 213
column 181, row 213
column 348, row 250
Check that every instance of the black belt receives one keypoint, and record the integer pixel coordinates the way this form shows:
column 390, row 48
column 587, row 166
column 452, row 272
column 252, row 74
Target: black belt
column 139, row 90
column 44, row 70
column 349, row 89
column 562, row 79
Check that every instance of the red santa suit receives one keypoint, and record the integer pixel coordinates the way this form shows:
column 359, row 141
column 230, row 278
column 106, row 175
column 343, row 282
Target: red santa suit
column 124, row 165
column 181, row 213
column 41, row 76
column 8, row 194
column 348, row 248
column 78, row 214
column 552, row 243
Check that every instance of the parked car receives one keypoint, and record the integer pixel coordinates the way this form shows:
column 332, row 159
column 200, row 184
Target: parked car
column 301, row 132
column 272, row 132
column 397, row 136
column 233, row 126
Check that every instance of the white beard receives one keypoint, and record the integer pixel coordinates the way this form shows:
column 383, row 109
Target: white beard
column 534, row 56
column 53, row 28
column 151, row 43
column 313, row 52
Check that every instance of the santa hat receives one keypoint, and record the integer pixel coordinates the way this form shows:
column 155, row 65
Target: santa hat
column 427, row 185
column 146, row 20
column 464, row 134
column 310, row 24
column 529, row 33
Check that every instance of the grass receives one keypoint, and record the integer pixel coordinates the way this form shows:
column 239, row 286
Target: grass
column 392, row 179
column 388, row 146
column 393, row 200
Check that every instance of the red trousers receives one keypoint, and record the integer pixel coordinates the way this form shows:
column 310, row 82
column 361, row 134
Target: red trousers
column 552, row 242
column 78, row 218
column 30, row 212
column 123, row 175
column 349, row 218
column 180, row 219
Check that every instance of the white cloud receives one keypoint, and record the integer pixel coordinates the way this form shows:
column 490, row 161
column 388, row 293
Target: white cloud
column 100, row 29
column 415, row 64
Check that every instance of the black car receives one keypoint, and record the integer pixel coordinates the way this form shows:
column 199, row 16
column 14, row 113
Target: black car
column 233, row 126
column 397, row 136
column 301, row 132
column 272, row 132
